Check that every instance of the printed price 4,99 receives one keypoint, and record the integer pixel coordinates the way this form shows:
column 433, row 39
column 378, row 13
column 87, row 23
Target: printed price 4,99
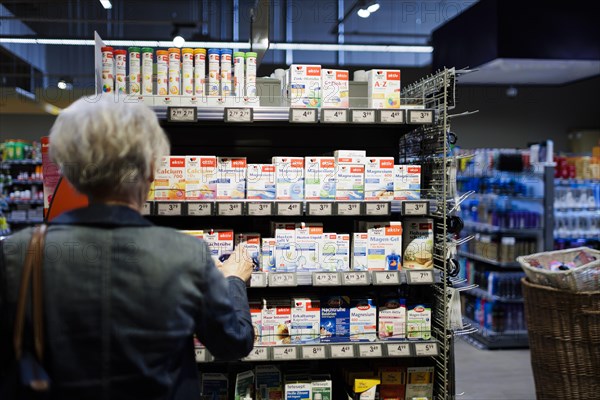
column 355, row 278
column 391, row 116
column 289, row 208
column 398, row 349
column 303, row 115
column 326, row 279
column 333, row 115
column 258, row 354
column 313, row 352
column 342, row 351
column 284, row 353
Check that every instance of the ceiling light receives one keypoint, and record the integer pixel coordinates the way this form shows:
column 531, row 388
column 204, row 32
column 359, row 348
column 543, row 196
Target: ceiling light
column 106, row 4
column 373, row 7
column 364, row 13
column 178, row 41
column 62, row 84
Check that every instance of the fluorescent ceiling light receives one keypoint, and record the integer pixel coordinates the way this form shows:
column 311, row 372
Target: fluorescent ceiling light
column 62, row 85
column 106, row 4
column 352, row 47
column 364, row 13
column 178, row 41
column 373, row 7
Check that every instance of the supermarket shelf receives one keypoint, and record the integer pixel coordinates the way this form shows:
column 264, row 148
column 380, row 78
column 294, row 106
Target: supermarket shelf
column 483, row 342
column 487, row 228
column 569, row 209
column 492, row 196
column 24, row 221
column 336, row 350
column 8, row 163
column 31, row 202
column 478, row 292
column 573, row 181
column 27, row 182
column 489, row 261
column 490, row 333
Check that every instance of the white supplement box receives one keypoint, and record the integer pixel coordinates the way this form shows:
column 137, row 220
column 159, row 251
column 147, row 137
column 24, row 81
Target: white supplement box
column 231, row 173
column 392, row 318
column 360, row 242
column 286, row 251
column 417, row 241
column 363, row 320
column 379, row 178
column 319, row 178
column 253, row 244
column 383, row 88
column 306, row 320
column 200, row 177
column 220, row 241
column 418, row 322
column 342, row 254
column 385, row 248
column 298, row 391
column 407, row 182
column 308, row 248
column 419, row 383
column 256, row 307
column 276, row 321
column 260, row 182
column 267, row 255
column 289, row 178
column 169, row 179
column 328, row 251
column 349, row 153
column 304, row 86
column 350, row 182
column 335, row 88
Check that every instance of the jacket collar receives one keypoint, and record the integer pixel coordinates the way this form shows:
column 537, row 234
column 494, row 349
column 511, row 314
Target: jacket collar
column 102, row 215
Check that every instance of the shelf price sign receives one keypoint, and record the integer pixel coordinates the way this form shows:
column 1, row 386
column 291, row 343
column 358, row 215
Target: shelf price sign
column 370, row 350
column 334, row 115
column 182, row 114
column 289, row 208
column 258, row 354
column 320, row 209
column 426, row 349
column 415, row 208
column 313, row 352
column 201, row 354
column 282, row 279
column 229, row 209
column 326, row 279
column 348, row 208
column 419, row 277
column 363, row 116
column 420, row 116
column 303, row 115
column 199, row 209
column 170, row 209
column 258, row 279
column 375, row 208
column 147, row 208
column 285, row 353
column 342, row 350
column 398, row 349
column 386, row 277
column 391, row 116
column 258, row 209
column 355, row 278
column 238, row 115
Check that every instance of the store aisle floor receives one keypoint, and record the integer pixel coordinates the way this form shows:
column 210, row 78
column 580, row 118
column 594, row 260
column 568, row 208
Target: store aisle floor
column 493, row 374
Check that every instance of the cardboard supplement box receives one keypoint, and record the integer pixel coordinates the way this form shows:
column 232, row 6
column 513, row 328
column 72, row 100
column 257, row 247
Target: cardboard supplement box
column 169, row 179
column 289, row 178
column 231, row 173
column 383, row 88
column 392, row 318
column 360, row 243
column 418, row 322
column 335, row 319
column 260, row 182
column 379, row 178
column 276, row 321
column 200, row 177
column 417, row 240
column 319, row 178
column 306, row 320
column 350, row 182
column 335, row 88
column 407, row 182
column 304, row 86
column 385, row 247
column 363, row 320
column 419, row 383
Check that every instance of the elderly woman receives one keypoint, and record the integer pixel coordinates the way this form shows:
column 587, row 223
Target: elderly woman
column 122, row 297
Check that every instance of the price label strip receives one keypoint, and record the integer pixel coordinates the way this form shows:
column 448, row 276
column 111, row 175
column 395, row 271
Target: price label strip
column 285, row 353
column 258, row 279
column 391, row 116
column 398, row 349
column 420, row 277
column 313, row 352
column 348, row 208
column 342, row 350
column 238, row 115
column 375, row 208
column 182, row 114
column 258, row 209
column 230, row 208
column 386, row 278
column 304, row 115
column 289, row 208
column 370, row 350
column 258, row 354
column 334, row 115
column 363, row 116
column 326, row 279
column 282, row 279
column 321, row 209
column 420, row 116
column 170, row 209
column 147, row 208
column 355, row 278
column 201, row 354
column 416, row 208
column 426, row 349
column 199, row 209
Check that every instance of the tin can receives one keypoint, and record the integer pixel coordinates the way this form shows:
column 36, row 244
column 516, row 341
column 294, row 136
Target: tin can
column 199, row 71
column 226, row 83
column 108, row 67
column 238, row 74
column 214, row 57
column 162, row 69
column 147, row 66
column 174, row 71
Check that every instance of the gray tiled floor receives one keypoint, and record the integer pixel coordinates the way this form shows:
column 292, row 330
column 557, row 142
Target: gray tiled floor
column 493, row 374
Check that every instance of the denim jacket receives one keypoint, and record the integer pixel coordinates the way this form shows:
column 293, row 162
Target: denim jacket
column 122, row 300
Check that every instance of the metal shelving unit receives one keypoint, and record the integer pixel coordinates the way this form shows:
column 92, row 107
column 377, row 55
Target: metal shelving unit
column 489, row 261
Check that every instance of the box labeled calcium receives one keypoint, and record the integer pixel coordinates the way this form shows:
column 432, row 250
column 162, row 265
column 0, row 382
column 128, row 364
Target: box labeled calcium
column 169, row 179
column 298, row 391
column 417, row 241
column 308, row 248
column 407, row 182
column 385, row 248
column 267, row 254
column 220, row 241
column 306, row 320
column 276, row 321
column 319, row 178
column 231, row 173
column 350, row 182
column 392, row 318
column 256, row 307
column 289, row 178
column 360, row 243
column 418, row 322
column 419, row 383
column 260, row 182
column 215, row 384
column 286, row 250
column 379, row 178
column 363, row 320
column 335, row 88
column 335, row 318
column 200, row 177
column 383, row 88
column 253, row 243
column 268, row 382
column 304, row 86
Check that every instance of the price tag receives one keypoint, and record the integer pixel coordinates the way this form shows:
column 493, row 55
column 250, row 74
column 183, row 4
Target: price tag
column 320, row 208
column 334, row 115
column 391, row 116
column 426, row 349
column 282, row 279
column 238, row 115
column 287, row 208
column 303, row 115
column 386, row 278
column 363, row 116
column 348, row 208
column 229, row 209
column 419, row 277
column 398, row 349
column 326, row 279
column 257, row 354
column 182, row 114
column 147, row 208
column 313, row 352
column 415, row 207
column 260, row 209
column 355, row 278
column 285, row 353
column 342, row 351
column 420, row 116
column 199, row 209
column 377, row 208
column 370, row 350
column 168, row 208
column 258, row 279
column 201, row 354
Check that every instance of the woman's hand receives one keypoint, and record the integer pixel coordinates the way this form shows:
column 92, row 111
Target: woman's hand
column 239, row 263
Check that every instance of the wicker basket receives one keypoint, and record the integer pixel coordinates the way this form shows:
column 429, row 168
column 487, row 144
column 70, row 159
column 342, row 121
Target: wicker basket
column 583, row 279
column 564, row 337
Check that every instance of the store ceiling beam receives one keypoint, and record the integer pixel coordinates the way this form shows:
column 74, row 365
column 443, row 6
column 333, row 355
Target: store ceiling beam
column 102, row 21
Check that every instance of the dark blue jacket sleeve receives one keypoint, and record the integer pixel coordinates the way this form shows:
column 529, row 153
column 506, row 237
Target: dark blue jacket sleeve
column 224, row 324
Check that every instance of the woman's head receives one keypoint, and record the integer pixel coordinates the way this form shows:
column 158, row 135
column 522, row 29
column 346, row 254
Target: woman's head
column 108, row 150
